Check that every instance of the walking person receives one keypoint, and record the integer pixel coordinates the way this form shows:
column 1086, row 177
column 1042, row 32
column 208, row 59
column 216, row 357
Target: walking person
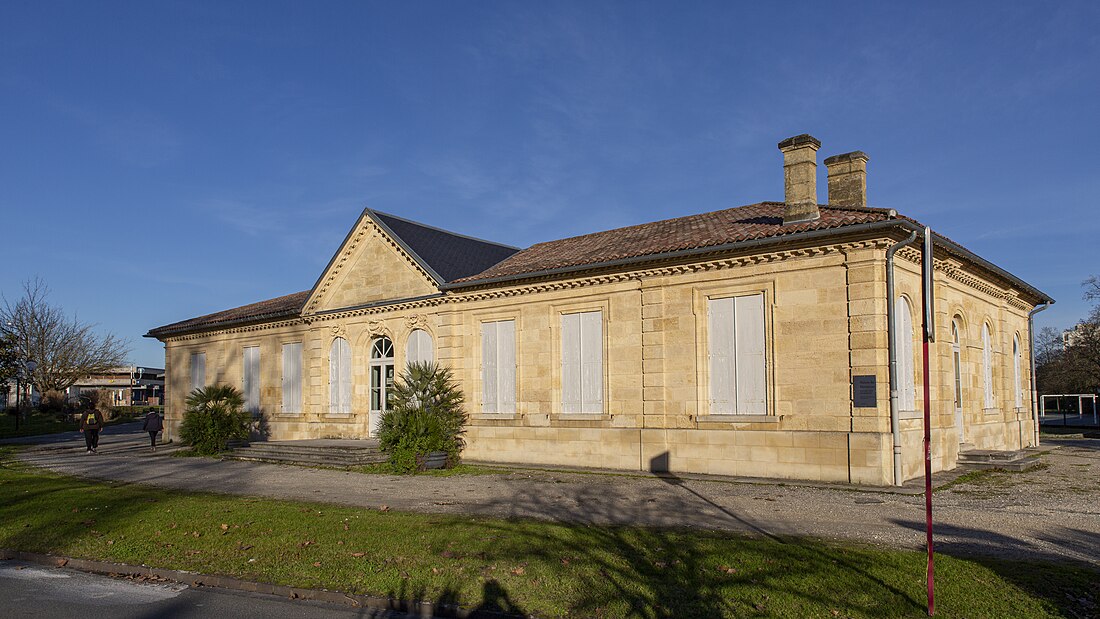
column 153, row 424
column 91, row 422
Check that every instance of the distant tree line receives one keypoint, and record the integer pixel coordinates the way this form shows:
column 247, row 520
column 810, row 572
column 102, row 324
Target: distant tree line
column 1072, row 366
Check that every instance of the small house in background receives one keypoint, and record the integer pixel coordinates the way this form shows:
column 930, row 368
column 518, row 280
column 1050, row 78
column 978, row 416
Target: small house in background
column 128, row 386
column 749, row 341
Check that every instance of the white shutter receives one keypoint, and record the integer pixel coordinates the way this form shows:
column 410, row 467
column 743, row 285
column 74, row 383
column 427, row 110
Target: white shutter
column 339, row 377
column 251, row 382
column 419, row 348
column 720, row 351
column 198, row 370
column 987, row 366
column 489, row 399
column 903, row 343
column 292, row 378
column 1016, row 382
column 345, row 377
column 592, row 362
column 506, row 366
column 334, row 377
column 749, row 363
column 571, row 363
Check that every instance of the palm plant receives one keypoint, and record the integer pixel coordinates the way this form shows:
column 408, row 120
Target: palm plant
column 214, row 415
column 425, row 414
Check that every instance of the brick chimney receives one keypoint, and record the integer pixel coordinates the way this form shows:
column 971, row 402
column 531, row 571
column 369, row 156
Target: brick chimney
column 800, row 178
column 848, row 179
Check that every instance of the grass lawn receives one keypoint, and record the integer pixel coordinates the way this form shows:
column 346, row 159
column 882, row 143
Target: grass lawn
column 34, row 425
column 37, row 423
column 523, row 566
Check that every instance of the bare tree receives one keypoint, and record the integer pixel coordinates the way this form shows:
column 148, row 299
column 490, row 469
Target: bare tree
column 65, row 349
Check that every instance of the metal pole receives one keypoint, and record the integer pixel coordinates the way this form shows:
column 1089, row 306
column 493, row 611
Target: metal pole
column 928, row 299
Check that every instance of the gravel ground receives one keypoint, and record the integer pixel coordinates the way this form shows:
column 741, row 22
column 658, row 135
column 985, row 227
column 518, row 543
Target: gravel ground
column 1049, row 513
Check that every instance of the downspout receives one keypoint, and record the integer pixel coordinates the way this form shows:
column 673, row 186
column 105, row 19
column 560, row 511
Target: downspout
column 895, row 426
column 1031, row 360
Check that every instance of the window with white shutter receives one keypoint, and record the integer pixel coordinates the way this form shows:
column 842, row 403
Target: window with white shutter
column 903, row 350
column 498, row 366
column 251, row 379
column 198, row 370
column 582, row 362
column 292, row 378
column 987, row 366
column 419, row 347
column 1017, row 382
column 339, row 377
column 737, row 355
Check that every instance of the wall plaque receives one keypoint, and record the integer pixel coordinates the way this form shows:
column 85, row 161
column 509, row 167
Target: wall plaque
column 864, row 391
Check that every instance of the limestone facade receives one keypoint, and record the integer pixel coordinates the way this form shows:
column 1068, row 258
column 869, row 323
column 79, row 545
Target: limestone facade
column 825, row 321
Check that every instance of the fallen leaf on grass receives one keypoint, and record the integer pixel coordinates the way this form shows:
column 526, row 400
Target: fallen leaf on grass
column 358, row 554
column 316, row 564
column 518, row 571
column 196, row 534
column 308, row 542
column 225, row 527
column 243, row 547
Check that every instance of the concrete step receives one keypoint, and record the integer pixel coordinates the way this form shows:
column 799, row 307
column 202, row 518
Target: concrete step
column 309, row 450
column 983, row 459
column 323, row 455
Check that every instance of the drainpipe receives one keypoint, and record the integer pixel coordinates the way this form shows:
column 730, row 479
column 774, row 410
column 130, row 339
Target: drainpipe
column 895, row 426
column 1031, row 360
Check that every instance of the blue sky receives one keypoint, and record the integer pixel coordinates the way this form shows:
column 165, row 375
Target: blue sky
column 164, row 160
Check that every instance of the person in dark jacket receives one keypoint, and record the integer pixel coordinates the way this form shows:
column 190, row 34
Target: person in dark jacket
column 91, row 422
column 152, row 425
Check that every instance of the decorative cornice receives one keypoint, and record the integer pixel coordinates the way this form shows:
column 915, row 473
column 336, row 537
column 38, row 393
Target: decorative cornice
column 956, row 270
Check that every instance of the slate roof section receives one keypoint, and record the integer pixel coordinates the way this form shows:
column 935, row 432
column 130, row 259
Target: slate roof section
column 743, row 223
column 271, row 309
column 452, row 256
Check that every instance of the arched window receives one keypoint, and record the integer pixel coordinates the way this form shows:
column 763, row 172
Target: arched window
column 419, row 347
column 987, row 366
column 381, row 380
column 1016, row 382
column 339, row 377
column 956, row 362
column 903, row 346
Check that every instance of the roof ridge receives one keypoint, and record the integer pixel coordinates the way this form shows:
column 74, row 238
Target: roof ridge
column 443, row 230
column 650, row 223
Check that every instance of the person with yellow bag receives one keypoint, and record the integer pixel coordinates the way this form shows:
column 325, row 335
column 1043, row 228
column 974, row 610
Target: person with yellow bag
column 91, row 422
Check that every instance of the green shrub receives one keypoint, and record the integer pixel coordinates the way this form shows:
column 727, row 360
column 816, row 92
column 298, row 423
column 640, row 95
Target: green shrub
column 425, row 414
column 214, row 415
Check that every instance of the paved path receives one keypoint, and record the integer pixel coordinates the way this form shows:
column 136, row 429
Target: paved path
column 1047, row 514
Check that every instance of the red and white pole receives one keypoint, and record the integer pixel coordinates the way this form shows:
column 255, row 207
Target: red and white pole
column 929, row 336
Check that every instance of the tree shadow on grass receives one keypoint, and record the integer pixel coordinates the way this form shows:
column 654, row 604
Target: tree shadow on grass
column 672, row 572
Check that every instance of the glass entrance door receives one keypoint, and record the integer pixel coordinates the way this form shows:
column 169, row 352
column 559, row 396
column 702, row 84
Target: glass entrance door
column 381, row 380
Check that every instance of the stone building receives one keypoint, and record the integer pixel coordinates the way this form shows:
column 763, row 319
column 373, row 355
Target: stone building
column 723, row 342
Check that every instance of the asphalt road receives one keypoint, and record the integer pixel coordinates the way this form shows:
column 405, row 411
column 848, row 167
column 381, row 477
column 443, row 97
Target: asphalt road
column 58, row 593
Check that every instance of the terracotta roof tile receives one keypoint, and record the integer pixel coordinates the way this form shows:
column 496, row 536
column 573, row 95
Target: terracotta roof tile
column 288, row 305
column 742, row 223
